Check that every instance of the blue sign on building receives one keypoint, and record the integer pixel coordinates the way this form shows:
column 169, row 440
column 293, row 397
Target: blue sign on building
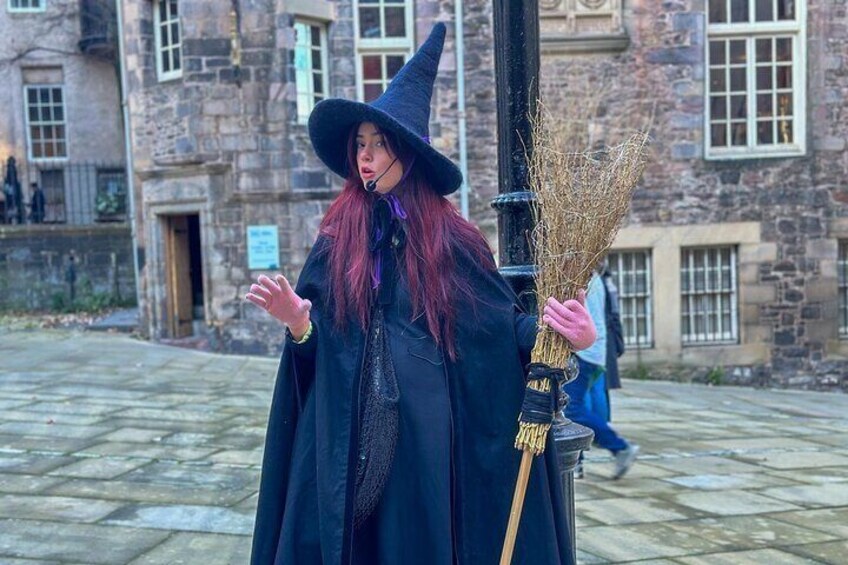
column 263, row 248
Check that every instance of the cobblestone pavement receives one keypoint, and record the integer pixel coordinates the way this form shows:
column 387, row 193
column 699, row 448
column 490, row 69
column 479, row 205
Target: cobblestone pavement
column 115, row 451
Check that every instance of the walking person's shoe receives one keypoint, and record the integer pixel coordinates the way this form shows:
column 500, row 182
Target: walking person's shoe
column 624, row 459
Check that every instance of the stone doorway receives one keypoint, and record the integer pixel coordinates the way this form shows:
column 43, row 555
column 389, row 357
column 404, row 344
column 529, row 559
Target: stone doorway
column 184, row 275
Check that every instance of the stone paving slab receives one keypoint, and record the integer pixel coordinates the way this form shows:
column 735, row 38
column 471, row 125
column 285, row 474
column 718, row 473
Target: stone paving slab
column 753, row 557
column 732, row 502
column 832, row 552
column 118, row 451
column 57, row 508
column 81, row 543
column 209, row 519
column 830, row 520
column 749, row 532
column 641, row 541
column 812, row 496
column 183, row 549
column 729, row 482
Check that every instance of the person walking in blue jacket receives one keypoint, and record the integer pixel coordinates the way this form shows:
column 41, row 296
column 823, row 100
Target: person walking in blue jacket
column 589, row 390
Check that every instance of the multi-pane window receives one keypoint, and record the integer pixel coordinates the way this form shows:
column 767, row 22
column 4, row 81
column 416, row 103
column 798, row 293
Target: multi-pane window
column 310, row 64
column 708, row 295
column 26, row 5
column 842, row 267
column 755, row 97
column 167, row 34
column 384, row 41
column 631, row 272
column 382, row 19
column 377, row 72
column 46, row 129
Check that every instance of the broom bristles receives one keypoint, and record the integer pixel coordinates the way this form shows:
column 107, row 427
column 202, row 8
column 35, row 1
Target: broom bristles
column 581, row 199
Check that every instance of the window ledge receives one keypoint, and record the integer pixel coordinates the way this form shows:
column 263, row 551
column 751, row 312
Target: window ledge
column 750, row 155
column 565, row 43
column 320, row 10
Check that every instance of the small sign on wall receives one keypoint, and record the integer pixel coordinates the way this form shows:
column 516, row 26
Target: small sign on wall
column 263, row 248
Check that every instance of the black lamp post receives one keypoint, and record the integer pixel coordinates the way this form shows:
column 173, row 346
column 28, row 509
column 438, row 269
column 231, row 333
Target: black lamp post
column 516, row 38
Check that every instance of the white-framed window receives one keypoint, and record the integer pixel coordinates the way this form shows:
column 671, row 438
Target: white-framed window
column 310, row 66
column 842, row 278
column 47, row 134
column 384, row 40
column 27, row 5
column 709, row 303
column 756, row 87
column 167, row 34
column 377, row 71
column 631, row 273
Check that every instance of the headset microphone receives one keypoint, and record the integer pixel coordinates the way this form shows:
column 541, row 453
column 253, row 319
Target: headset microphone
column 371, row 185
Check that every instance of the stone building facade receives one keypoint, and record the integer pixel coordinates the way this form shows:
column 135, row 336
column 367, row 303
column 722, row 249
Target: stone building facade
column 60, row 121
column 729, row 265
column 221, row 149
column 733, row 261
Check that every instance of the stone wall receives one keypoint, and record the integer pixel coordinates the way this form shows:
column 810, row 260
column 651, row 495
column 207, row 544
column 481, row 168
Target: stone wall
column 234, row 153
column 659, row 80
column 36, row 261
column 248, row 161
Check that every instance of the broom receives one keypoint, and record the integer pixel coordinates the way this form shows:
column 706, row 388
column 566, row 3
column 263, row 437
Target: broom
column 581, row 200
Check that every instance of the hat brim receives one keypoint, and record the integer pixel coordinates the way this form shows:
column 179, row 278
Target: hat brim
column 332, row 119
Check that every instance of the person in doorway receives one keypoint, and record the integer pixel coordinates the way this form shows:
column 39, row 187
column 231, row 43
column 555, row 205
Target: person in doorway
column 391, row 431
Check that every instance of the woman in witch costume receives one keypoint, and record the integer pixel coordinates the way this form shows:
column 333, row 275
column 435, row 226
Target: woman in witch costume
column 391, row 432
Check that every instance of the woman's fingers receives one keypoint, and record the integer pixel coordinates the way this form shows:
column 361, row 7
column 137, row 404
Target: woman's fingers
column 285, row 287
column 258, row 300
column 260, row 290
column 266, row 281
column 556, row 325
column 279, row 299
column 557, row 308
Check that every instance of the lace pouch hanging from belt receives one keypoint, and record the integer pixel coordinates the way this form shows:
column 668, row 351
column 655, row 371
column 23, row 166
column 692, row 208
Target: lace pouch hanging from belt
column 378, row 420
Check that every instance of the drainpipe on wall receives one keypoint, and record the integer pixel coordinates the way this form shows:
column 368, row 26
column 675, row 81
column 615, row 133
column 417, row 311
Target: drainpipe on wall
column 460, row 94
column 125, row 113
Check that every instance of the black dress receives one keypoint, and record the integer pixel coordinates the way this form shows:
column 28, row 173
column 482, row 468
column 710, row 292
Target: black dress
column 412, row 521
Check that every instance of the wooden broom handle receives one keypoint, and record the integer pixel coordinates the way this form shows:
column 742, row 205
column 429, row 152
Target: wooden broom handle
column 517, row 505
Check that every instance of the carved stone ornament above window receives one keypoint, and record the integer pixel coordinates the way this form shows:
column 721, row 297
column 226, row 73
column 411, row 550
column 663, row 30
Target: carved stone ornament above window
column 584, row 26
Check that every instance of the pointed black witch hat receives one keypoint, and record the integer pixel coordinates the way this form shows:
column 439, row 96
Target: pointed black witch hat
column 403, row 109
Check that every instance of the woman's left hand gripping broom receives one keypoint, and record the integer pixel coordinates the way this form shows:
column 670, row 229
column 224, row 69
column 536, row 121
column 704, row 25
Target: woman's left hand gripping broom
column 543, row 398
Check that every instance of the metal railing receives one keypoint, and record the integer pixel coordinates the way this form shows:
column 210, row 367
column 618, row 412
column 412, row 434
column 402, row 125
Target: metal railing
column 67, row 193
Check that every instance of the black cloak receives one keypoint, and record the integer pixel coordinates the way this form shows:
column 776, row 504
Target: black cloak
column 311, row 438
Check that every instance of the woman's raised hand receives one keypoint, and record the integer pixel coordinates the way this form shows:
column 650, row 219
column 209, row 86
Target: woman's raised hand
column 276, row 297
column 571, row 320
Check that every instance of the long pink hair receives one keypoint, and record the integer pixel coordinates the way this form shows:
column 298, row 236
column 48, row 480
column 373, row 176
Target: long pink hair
column 434, row 230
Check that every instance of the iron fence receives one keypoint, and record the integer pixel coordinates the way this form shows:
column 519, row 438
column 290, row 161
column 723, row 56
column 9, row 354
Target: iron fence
column 67, row 193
